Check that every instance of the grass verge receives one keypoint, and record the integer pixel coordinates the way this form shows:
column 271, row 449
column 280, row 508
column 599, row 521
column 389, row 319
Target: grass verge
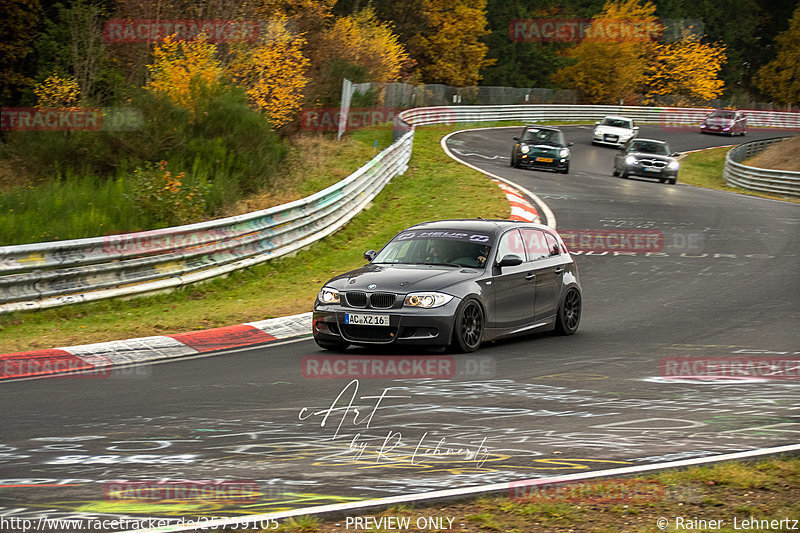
column 704, row 169
column 688, row 499
column 434, row 187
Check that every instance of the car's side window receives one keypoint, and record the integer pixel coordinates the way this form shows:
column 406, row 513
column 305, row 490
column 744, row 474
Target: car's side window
column 535, row 244
column 510, row 244
column 552, row 244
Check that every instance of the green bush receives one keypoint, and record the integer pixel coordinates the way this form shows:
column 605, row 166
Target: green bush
column 86, row 184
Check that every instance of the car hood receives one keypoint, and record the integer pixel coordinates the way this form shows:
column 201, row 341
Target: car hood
column 718, row 121
column 402, row 278
column 613, row 130
column 656, row 157
column 544, row 146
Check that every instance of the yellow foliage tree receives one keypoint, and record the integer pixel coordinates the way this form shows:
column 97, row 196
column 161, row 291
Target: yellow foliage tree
column 273, row 72
column 361, row 39
column 780, row 78
column 185, row 71
column 57, row 91
column 449, row 49
column 610, row 69
column 687, row 70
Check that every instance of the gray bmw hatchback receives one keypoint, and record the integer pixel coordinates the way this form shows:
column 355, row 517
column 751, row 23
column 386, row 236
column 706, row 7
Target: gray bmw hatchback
column 453, row 283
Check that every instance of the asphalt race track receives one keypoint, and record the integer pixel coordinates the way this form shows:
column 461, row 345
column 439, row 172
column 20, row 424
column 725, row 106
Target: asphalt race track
column 724, row 285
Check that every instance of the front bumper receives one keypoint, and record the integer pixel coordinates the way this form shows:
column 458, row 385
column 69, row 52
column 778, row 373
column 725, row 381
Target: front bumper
column 651, row 172
column 610, row 140
column 408, row 325
column 555, row 163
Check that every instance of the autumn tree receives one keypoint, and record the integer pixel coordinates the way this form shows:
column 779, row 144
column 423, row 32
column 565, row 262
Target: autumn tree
column 185, row 71
column 17, row 28
column 687, row 70
column 449, row 49
column 780, row 78
column 273, row 72
column 610, row 68
column 358, row 47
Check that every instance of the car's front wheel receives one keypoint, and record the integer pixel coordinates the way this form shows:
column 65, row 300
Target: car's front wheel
column 331, row 345
column 569, row 314
column 468, row 328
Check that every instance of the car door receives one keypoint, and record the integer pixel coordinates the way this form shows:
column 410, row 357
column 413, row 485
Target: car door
column 514, row 286
column 548, row 265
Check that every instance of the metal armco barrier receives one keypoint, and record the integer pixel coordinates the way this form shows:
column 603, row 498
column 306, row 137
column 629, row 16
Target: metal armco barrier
column 736, row 174
column 36, row 276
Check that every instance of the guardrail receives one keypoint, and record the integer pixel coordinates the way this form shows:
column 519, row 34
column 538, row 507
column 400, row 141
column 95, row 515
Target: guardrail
column 736, row 174
column 666, row 116
column 36, row 276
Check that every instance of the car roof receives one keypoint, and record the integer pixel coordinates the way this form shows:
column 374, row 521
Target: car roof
column 542, row 127
column 617, row 117
column 476, row 224
column 648, row 140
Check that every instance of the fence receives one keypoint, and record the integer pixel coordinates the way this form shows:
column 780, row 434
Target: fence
column 766, row 180
column 35, row 276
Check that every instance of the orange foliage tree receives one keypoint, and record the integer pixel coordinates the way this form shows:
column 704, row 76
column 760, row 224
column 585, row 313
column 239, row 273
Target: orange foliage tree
column 361, row 39
column 185, row 71
column 687, row 70
column 610, row 68
column 273, row 72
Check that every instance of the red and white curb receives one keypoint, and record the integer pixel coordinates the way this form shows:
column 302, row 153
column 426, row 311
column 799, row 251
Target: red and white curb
column 102, row 356
column 521, row 209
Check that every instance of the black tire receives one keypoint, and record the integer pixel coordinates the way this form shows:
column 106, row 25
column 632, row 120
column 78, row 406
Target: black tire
column 614, row 171
column 566, row 169
column 569, row 313
column 331, row 345
column 468, row 327
column 624, row 174
column 662, row 180
column 673, row 181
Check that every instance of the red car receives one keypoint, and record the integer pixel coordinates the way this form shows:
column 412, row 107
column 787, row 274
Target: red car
column 725, row 122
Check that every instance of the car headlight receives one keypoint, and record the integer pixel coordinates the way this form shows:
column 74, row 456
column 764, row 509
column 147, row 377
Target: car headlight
column 328, row 295
column 564, row 152
column 524, row 149
column 597, row 133
column 427, row 299
column 673, row 165
column 630, row 160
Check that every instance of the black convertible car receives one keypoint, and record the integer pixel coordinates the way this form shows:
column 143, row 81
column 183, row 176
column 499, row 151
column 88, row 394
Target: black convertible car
column 453, row 283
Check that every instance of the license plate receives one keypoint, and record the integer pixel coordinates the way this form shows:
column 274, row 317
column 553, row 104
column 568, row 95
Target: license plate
column 544, row 159
column 612, row 138
column 366, row 320
column 651, row 169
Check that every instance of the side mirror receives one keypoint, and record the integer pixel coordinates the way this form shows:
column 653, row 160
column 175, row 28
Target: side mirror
column 570, row 144
column 510, row 260
column 674, row 154
column 516, row 138
column 636, row 127
column 597, row 123
column 369, row 255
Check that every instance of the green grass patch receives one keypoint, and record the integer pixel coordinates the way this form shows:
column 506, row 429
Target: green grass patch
column 704, row 169
column 434, row 187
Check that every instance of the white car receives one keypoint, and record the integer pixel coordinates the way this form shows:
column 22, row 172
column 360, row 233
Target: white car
column 614, row 131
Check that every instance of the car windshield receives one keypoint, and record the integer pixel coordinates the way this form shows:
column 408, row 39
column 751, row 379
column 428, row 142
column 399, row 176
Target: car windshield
column 617, row 123
column 722, row 114
column 542, row 135
column 419, row 248
column 650, row 147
